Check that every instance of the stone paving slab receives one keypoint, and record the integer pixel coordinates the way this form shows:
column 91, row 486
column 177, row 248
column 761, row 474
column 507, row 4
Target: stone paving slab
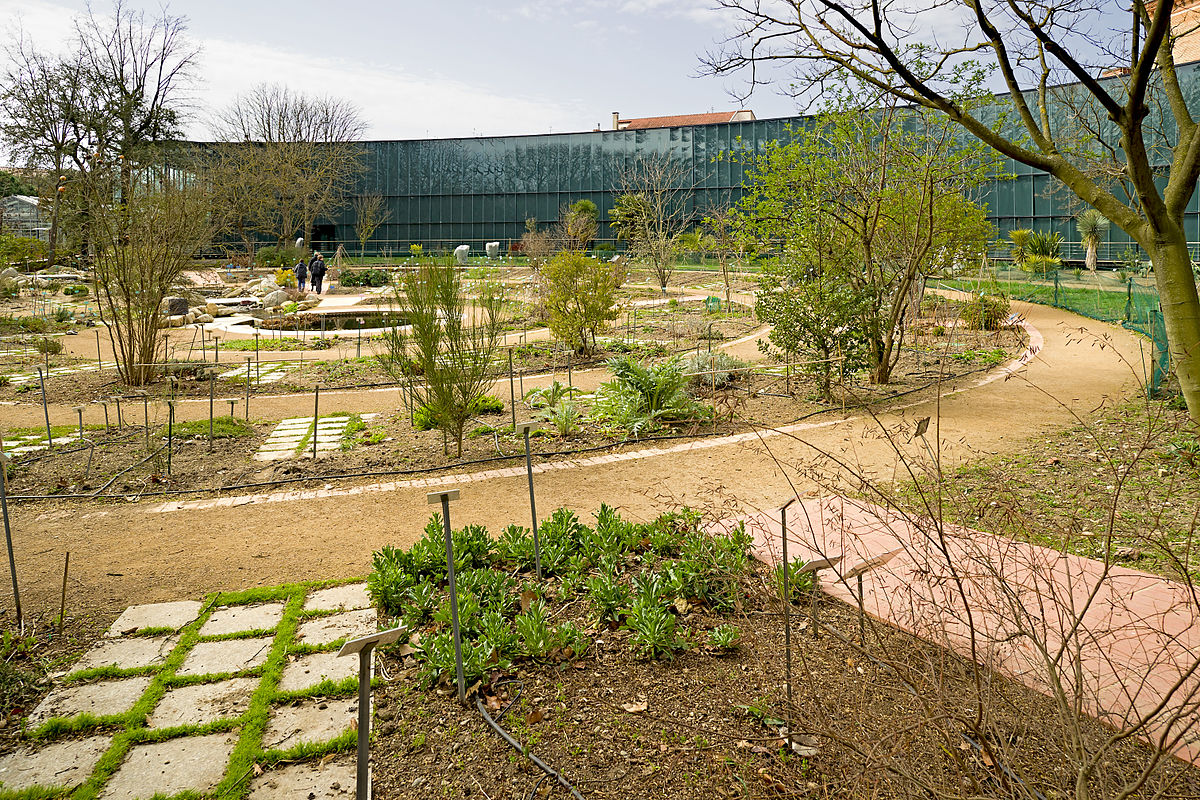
column 339, row 598
column 309, row 722
column 238, row 619
column 102, row 698
column 64, row 764
column 259, row 373
column 228, row 655
column 202, row 703
column 188, row 763
column 155, row 615
column 32, row 377
column 328, row 781
column 307, row 671
column 347, row 625
column 128, row 653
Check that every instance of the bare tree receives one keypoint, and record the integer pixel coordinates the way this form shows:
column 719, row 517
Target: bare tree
column 301, row 151
column 651, row 212
column 143, row 234
column 119, row 90
column 1128, row 146
column 370, row 211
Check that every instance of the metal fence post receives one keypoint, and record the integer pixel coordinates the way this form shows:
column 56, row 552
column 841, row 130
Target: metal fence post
column 444, row 498
column 524, row 428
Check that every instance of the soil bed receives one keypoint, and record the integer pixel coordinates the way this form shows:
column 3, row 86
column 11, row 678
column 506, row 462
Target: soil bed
column 618, row 726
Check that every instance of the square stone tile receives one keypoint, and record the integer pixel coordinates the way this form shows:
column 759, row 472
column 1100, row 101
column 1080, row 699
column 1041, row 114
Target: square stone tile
column 188, row 763
column 202, row 703
column 236, row 619
column 230, row 655
column 155, row 615
column 317, row 781
column 102, row 698
column 312, row 669
column 339, row 598
column 63, row 764
column 128, row 653
column 347, row 625
column 309, row 722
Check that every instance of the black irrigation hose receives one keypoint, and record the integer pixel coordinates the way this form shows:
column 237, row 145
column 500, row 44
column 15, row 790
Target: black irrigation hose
column 542, row 765
column 113, row 479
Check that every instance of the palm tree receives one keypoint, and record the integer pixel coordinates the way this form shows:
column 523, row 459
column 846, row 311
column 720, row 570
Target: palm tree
column 1020, row 240
column 1092, row 225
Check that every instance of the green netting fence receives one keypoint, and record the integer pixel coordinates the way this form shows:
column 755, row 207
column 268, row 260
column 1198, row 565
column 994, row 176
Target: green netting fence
column 1130, row 301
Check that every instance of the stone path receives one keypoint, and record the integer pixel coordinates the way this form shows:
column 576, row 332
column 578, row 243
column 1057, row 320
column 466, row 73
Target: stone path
column 260, row 373
column 30, row 443
column 1034, row 613
column 17, row 353
column 32, row 377
column 206, row 698
column 292, row 438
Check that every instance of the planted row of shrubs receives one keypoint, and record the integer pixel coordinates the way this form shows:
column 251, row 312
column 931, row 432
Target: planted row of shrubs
column 635, row 576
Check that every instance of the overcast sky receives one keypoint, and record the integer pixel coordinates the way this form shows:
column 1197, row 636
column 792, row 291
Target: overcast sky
column 450, row 68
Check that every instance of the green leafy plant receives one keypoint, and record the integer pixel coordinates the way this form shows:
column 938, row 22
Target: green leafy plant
column 800, row 583
column 546, row 396
column 608, row 596
column 713, row 370
column 46, row 345
column 642, row 398
column 1092, row 226
column 565, row 416
column 533, row 630
column 725, row 637
column 985, row 312
column 653, row 631
column 1020, row 245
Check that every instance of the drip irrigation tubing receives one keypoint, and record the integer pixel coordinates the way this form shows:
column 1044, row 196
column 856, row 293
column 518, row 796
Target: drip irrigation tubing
column 542, row 765
column 426, row 470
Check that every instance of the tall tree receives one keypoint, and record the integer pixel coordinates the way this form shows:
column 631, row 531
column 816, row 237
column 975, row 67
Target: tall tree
column 890, row 187
column 370, row 211
column 120, row 89
column 1128, row 146
column 297, row 151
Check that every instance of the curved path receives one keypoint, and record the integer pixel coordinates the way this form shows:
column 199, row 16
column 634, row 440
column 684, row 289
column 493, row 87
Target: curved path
column 126, row 553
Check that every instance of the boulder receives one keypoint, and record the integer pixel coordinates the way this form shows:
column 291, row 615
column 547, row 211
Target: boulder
column 9, row 284
column 204, row 318
column 493, row 249
column 211, row 308
column 275, row 299
column 264, row 287
column 9, row 272
column 223, row 311
column 461, row 253
column 174, row 321
column 175, row 306
column 189, row 318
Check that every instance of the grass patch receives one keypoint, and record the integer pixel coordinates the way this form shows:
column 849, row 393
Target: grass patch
column 223, row 428
column 284, row 343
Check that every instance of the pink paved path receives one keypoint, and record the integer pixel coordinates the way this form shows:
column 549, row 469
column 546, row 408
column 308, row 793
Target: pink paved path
column 1034, row 612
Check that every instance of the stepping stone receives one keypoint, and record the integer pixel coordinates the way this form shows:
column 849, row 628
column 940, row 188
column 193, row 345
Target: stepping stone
column 309, row 722
column 60, row 765
column 155, row 615
column 202, row 703
column 129, row 653
column 189, row 763
column 101, row 699
column 308, row 671
column 349, row 625
column 339, row 598
column 237, row 619
column 230, row 655
column 318, row 781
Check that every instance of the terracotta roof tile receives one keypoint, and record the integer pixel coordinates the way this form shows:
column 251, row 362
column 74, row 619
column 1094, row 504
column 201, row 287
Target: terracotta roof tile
column 680, row 120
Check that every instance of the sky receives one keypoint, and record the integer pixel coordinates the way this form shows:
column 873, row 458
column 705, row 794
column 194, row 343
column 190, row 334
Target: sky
column 450, row 68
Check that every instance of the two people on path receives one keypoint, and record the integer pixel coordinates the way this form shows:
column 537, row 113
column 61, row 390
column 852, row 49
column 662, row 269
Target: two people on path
column 316, row 271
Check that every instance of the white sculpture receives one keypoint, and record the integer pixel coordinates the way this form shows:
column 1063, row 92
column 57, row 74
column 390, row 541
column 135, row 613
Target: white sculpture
column 461, row 252
column 493, row 249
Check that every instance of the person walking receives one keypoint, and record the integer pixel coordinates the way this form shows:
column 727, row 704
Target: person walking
column 301, row 270
column 317, row 271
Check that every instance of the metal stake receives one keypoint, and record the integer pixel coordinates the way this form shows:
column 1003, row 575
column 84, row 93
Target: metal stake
column 79, row 411
column 170, row 432
column 45, row 408
column 62, row 606
column 232, row 402
column 512, row 396
column 99, row 355
column 316, row 416
column 358, row 349
column 145, row 418
column 12, row 563
column 787, row 617
column 524, row 428
column 212, row 379
column 444, row 498
column 257, row 374
column 105, row 405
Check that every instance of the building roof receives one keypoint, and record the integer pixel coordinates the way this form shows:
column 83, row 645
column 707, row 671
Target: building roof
column 642, row 123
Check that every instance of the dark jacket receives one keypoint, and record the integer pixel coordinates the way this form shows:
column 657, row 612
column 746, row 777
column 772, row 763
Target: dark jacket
column 317, row 268
column 301, row 270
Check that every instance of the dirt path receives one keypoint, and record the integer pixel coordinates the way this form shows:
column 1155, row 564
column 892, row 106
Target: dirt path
column 126, row 553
